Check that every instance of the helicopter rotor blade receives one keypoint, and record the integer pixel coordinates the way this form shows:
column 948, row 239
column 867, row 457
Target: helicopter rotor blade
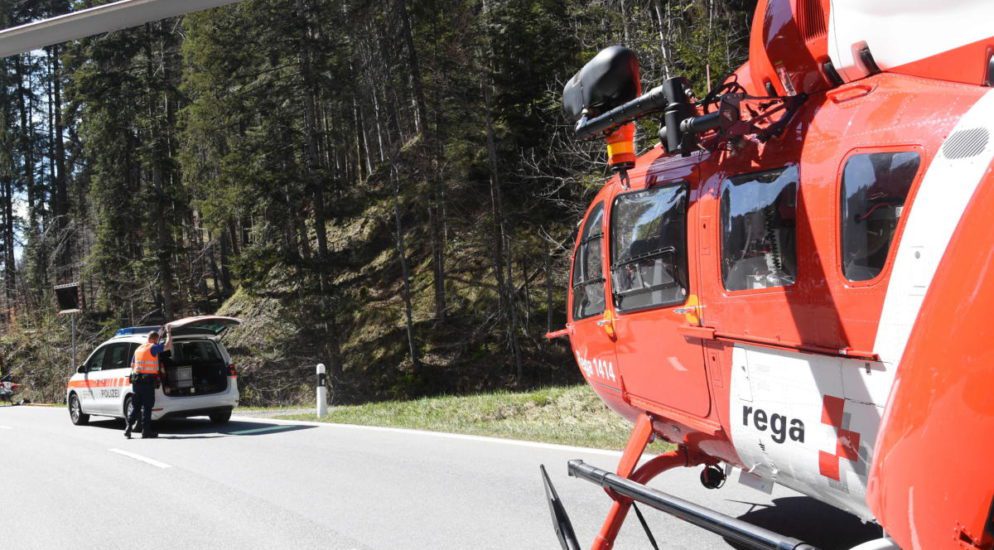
column 100, row 19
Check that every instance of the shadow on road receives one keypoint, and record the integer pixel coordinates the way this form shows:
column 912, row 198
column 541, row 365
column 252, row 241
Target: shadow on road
column 202, row 428
column 811, row 521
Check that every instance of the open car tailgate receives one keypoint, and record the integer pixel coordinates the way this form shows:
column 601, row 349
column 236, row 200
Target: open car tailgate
column 205, row 325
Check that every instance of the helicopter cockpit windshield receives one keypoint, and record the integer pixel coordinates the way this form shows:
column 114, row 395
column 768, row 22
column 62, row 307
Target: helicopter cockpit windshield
column 758, row 239
column 648, row 247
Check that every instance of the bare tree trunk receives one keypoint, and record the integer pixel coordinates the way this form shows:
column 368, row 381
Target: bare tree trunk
column 548, row 291
column 9, row 261
column 358, row 136
column 525, row 290
column 420, row 109
column 497, row 209
column 435, row 221
column 379, row 126
column 50, row 124
column 163, row 240
column 372, row 80
column 61, row 184
column 658, row 5
column 402, row 256
column 35, row 250
column 512, row 308
column 707, row 55
column 311, row 153
column 233, row 235
column 624, row 24
column 365, row 140
column 26, row 149
column 225, row 271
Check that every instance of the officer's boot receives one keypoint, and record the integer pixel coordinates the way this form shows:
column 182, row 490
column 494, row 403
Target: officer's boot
column 148, row 432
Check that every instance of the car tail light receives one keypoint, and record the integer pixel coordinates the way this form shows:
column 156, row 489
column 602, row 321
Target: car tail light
column 231, row 370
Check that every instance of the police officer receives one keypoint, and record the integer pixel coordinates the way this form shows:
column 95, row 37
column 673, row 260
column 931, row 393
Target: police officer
column 144, row 372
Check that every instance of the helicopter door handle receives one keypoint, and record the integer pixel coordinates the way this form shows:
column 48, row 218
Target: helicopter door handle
column 607, row 323
column 689, row 310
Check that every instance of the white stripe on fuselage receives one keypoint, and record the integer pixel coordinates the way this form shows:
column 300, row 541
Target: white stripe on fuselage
column 942, row 197
column 788, row 388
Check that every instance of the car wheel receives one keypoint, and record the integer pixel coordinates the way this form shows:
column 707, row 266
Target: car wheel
column 129, row 406
column 76, row 411
column 221, row 417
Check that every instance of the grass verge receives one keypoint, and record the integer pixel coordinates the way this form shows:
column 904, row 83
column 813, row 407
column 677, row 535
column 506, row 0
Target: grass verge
column 572, row 415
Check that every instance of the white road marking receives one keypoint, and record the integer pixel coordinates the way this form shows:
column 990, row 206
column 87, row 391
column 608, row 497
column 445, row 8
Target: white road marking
column 446, row 435
column 260, row 430
column 410, row 431
column 141, row 458
column 6, row 428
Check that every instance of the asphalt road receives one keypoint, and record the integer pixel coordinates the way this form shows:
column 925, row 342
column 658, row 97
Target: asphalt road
column 257, row 483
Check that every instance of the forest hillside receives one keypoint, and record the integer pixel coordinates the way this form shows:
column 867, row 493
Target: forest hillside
column 389, row 188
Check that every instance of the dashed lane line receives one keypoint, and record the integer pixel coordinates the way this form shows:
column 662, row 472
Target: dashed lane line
column 141, row 458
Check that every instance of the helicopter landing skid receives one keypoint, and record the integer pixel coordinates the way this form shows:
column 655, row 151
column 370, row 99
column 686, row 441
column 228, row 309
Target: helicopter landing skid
column 629, row 486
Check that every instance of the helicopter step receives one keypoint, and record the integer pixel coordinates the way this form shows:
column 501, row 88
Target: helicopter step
column 741, row 532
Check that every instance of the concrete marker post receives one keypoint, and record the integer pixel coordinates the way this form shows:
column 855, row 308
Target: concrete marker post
column 322, row 392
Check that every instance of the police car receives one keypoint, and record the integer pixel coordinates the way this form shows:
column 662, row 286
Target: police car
column 200, row 379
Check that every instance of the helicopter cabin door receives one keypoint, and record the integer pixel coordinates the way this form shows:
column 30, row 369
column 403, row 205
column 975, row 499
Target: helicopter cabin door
column 590, row 329
column 653, row 275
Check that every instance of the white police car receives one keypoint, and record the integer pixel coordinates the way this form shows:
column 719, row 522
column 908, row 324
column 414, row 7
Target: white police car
column 200, row 379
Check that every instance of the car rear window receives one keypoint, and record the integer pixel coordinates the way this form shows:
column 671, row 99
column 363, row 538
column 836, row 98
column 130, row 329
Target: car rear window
column 195, row 352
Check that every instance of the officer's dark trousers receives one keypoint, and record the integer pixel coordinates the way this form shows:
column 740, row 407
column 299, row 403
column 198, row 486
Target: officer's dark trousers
column 143, row 400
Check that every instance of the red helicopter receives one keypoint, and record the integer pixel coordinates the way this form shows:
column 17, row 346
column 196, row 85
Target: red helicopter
column 797, row 280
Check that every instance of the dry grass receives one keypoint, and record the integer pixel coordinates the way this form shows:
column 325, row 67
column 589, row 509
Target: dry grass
column 571, row 415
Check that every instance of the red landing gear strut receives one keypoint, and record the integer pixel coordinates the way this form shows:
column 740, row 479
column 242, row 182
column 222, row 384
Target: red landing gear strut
column 629, row 485
column 640, row 438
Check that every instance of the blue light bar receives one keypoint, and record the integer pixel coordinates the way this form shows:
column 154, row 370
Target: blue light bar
column 135, row 330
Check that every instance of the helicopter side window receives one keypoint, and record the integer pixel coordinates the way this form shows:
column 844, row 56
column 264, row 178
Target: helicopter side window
column 758, row 230
column 874, row 188
column 588, row 278
column 649, row 248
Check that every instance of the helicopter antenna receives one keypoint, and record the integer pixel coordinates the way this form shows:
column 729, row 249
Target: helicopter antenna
column 101, row 19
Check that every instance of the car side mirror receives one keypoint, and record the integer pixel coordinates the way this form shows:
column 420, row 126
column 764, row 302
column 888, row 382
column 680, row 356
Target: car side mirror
column 81, row 369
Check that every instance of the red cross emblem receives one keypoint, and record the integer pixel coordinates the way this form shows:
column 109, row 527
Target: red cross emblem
column 847, row 441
